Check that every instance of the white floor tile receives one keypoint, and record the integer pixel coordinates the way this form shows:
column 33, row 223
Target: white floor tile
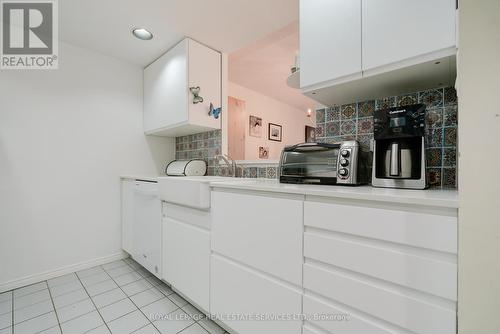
column 5, row 320
column 99, row 330
column 115, row 272
column 114, row 264
column 37, row 324
column 31, row 299
column 109, row 297
column 89, row 272
column 5, row 306
column 159, row 308
column 7, row 330
column 32, row 311
column 194, row 329
column 211, row 326
column 94, row 279
column 127, row 278
column 6, row 296
column 128, row 323
column 30, row 289
column 117, row 309
column 62, row 289
column 75, row 310
column 101, row 287
column 149, row 329
column 178, row 300
column 53, row 330
column 177, row 321
column 193, row 312
column 62, row 280
column 146, row 297
column 70, row 298
column 136, row 287
column 82, row 324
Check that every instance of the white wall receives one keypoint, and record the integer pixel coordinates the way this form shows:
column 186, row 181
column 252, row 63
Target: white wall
column 65, row 138
column 479, row 167
column 293, row 121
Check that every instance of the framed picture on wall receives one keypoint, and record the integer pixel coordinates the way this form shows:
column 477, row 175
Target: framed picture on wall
column 310, row 136
column 263, row 152
column 255, row 126
column 275, row 132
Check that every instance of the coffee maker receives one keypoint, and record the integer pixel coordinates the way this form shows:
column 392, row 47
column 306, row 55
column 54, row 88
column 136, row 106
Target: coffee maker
column 399, row 148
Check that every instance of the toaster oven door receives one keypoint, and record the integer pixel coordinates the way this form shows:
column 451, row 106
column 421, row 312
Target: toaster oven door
column 310, row 163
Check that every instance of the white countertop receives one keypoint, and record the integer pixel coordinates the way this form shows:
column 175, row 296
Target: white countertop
column 144, row 177
column 432, row 197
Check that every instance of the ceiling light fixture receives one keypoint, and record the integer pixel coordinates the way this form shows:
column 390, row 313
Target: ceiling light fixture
column 142, row 33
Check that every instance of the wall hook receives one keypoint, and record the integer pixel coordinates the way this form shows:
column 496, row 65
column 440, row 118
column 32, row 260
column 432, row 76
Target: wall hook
column 196, row 97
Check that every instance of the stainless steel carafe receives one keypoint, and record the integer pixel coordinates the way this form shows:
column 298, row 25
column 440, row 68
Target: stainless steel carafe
column 398, row 161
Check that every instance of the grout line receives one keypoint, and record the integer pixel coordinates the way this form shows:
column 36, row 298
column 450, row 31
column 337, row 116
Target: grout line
column 54, row 307
column 12, row 310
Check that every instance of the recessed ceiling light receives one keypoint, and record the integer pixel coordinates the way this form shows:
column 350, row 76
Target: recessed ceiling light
column 142, row 33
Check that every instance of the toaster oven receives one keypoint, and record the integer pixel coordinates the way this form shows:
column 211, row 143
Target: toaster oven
column 321, row 163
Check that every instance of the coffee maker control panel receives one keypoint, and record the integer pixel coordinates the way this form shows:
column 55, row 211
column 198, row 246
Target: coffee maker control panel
column 404, row 121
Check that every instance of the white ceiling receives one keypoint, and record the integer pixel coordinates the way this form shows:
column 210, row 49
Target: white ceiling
column 226, row 25
column 264, row 66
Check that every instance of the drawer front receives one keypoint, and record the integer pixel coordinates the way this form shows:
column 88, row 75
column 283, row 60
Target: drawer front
column 396, row 305
column 184, row 214
column 264, row 233
column 355, row 324
column 418, row 229
column 425, row 272
column 237, row 290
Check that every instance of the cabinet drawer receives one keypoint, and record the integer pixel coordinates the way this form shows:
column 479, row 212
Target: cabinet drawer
column 427, row 273
column 418, row 313
column 200, row 218
column 238, row 290
column 353, row 325
column 418, row 229
column 262, row 232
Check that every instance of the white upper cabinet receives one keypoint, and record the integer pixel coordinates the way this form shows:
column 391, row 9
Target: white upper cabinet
column 330, row 40
column 168, row 103
column 400, row 30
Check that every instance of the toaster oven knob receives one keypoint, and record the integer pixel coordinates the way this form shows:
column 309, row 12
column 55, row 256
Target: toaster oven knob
column 343, row 172
column 344, row 162
column 344, row 153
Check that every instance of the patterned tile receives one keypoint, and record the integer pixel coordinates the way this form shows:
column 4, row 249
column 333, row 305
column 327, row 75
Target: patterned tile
column 348, row 111
column 333, row 114
column 434, row 157
column 449, row 177
column 272, row 172
column 408, row 99
column 434, row 137
column 450, row 96
column 365, row 141
column 320, row 116
column 366, row 108
column 348, row 128
column 450, row 157
column 434, row 177
column 348, row 137
column 262, row 172
column 434, row 118
column 450, row 117
column 320, row 130
column 450, row 136
column 432, row 98
column 385, row 103
column 365, row 125
column 332, row 129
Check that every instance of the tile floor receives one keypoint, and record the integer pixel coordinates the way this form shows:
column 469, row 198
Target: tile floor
column 119, row 297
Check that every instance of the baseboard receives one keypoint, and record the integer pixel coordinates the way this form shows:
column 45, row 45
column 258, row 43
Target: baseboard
column 27, row 280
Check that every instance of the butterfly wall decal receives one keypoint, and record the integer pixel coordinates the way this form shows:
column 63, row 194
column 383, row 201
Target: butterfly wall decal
column 196, row 94
column 215, row 112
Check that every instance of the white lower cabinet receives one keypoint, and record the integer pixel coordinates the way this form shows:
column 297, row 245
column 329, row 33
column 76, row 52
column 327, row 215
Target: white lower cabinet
column 239, row 291
column 186, row 254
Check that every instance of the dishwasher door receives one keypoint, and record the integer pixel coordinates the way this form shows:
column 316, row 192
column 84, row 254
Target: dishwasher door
column 147, row 227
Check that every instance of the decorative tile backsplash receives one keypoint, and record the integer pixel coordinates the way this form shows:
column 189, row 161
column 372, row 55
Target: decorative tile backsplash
column 355, row 121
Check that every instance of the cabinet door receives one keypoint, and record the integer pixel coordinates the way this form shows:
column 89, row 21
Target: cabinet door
column 330, row 40
column 236, row 290
column 262, row 232
column 147, row 227
column 397, row 30
column 127, row 215
column 187, row 260
column 204, row 72
column 165, row 92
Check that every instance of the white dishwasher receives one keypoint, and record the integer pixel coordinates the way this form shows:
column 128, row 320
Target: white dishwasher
column 147, row 226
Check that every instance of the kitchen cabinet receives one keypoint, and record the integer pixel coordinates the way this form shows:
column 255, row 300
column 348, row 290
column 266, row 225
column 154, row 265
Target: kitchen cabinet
column 330, row 40
column 398, row 30
column 238, row 290
column 186, row 253
column 127, row 199
column 169, row 108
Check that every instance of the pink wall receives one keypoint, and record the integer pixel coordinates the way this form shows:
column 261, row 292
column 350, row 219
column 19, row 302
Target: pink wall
column 292, row 120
